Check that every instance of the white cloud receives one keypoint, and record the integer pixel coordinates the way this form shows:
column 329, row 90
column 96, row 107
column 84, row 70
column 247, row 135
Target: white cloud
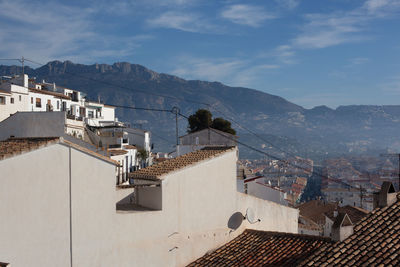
column 207, row 69
column 285, row 54
column 324, row 30
column 38, row 32
column 183, row 21
column 231, row 71
column 290, row 4
column 248, row 15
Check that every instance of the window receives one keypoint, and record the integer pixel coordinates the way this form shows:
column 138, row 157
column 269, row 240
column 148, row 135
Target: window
column 58, row 104
column 12, row 100
column 2, row 100
column 31, row 100
column 20, row 98
column 38, row 103
column 90, row 114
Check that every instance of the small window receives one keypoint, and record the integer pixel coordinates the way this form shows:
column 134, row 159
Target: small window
column 38, row 103
column 31, row 100
column 20, row 98
column 58, row 104
column 2, row 100
column 12, row 100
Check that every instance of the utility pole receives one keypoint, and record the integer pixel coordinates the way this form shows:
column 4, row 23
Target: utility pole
column 176, row 111
column 22, row 62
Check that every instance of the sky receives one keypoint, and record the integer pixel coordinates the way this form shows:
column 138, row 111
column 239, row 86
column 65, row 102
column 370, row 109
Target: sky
column 311, row 52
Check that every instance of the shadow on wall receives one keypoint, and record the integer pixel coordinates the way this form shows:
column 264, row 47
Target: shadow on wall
column 235, row 220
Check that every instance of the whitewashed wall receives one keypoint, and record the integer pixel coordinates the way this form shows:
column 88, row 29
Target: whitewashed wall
column 197, row 204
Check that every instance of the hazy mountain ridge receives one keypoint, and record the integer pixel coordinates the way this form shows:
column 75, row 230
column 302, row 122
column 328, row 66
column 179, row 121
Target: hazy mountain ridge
column 347, row 128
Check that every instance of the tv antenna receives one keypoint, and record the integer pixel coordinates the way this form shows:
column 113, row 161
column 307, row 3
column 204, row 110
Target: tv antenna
column 21, row 60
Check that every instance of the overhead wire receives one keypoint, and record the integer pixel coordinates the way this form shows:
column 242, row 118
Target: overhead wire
column 181, row 99
column 207, row 105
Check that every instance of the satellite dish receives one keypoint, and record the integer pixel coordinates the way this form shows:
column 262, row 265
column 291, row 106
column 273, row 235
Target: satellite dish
column 250, row 216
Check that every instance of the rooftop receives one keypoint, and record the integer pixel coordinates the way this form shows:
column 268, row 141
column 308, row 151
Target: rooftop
column 355, row 213
column 375, row 241
column 117, row 152
column 49, row 93
column 316, row 209
column 155, row 172
column 259, row 248
column 16, row 146
column 4, row 92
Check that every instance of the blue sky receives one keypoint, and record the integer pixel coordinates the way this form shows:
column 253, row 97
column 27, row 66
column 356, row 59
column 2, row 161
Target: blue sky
column 311, row 52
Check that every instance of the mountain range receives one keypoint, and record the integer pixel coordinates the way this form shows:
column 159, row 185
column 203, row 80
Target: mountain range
column 279, row 124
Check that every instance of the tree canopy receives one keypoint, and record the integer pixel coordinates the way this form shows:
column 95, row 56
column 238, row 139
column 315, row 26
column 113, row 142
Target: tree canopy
column 202, row 119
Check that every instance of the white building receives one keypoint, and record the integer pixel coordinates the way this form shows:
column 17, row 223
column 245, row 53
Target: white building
column 19, row 93
column 204, row 138
column 63, row 207
column 87, row 120
column 257, row 187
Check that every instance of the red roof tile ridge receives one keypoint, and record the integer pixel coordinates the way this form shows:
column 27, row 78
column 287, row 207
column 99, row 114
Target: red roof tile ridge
column 156, row 171
column 283, row 234
column 17, row 146
column 88, row 151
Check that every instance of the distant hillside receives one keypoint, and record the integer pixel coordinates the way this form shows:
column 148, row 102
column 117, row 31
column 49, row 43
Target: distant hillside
column 311, row 132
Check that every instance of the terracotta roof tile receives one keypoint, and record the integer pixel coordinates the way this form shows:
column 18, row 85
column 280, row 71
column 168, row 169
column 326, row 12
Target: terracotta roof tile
column 117, row 152
column 15, row 146
column 154, row 172
column 373, row 242
column 259, row 248
column 355, row 213
column 45, row 92
column 316, row 209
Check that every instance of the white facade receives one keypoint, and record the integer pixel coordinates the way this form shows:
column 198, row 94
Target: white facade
column 66, row 215
column 256, row 187
column 22, row 94
column 200, row 139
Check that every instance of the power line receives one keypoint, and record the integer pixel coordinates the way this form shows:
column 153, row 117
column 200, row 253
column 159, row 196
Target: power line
column 201, row 103
column 177, row 98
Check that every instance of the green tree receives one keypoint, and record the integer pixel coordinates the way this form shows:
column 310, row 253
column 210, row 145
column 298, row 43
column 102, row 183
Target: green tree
column 202, row 119
column 223, row 125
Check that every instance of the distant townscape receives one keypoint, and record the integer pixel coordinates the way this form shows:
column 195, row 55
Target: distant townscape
column 81, row 187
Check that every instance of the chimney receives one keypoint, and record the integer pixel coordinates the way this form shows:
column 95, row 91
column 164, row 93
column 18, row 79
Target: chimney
column 386, row 197
column 335, row 213
column 342, row 227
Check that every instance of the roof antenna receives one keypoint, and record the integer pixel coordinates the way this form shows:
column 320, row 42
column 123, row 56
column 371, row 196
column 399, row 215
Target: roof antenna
column 22, row 60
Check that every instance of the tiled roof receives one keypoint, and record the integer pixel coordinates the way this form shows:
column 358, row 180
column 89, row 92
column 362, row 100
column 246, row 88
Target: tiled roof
column 154, row 172
column 5, row 92
column 315, row 210
column 117, row 152
column 129, row 147
column 259, row 248
column 15, row 146
column 342, row 220
column 355, row 213
column 306, row 223
column 375, row 241
column 45, row 92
